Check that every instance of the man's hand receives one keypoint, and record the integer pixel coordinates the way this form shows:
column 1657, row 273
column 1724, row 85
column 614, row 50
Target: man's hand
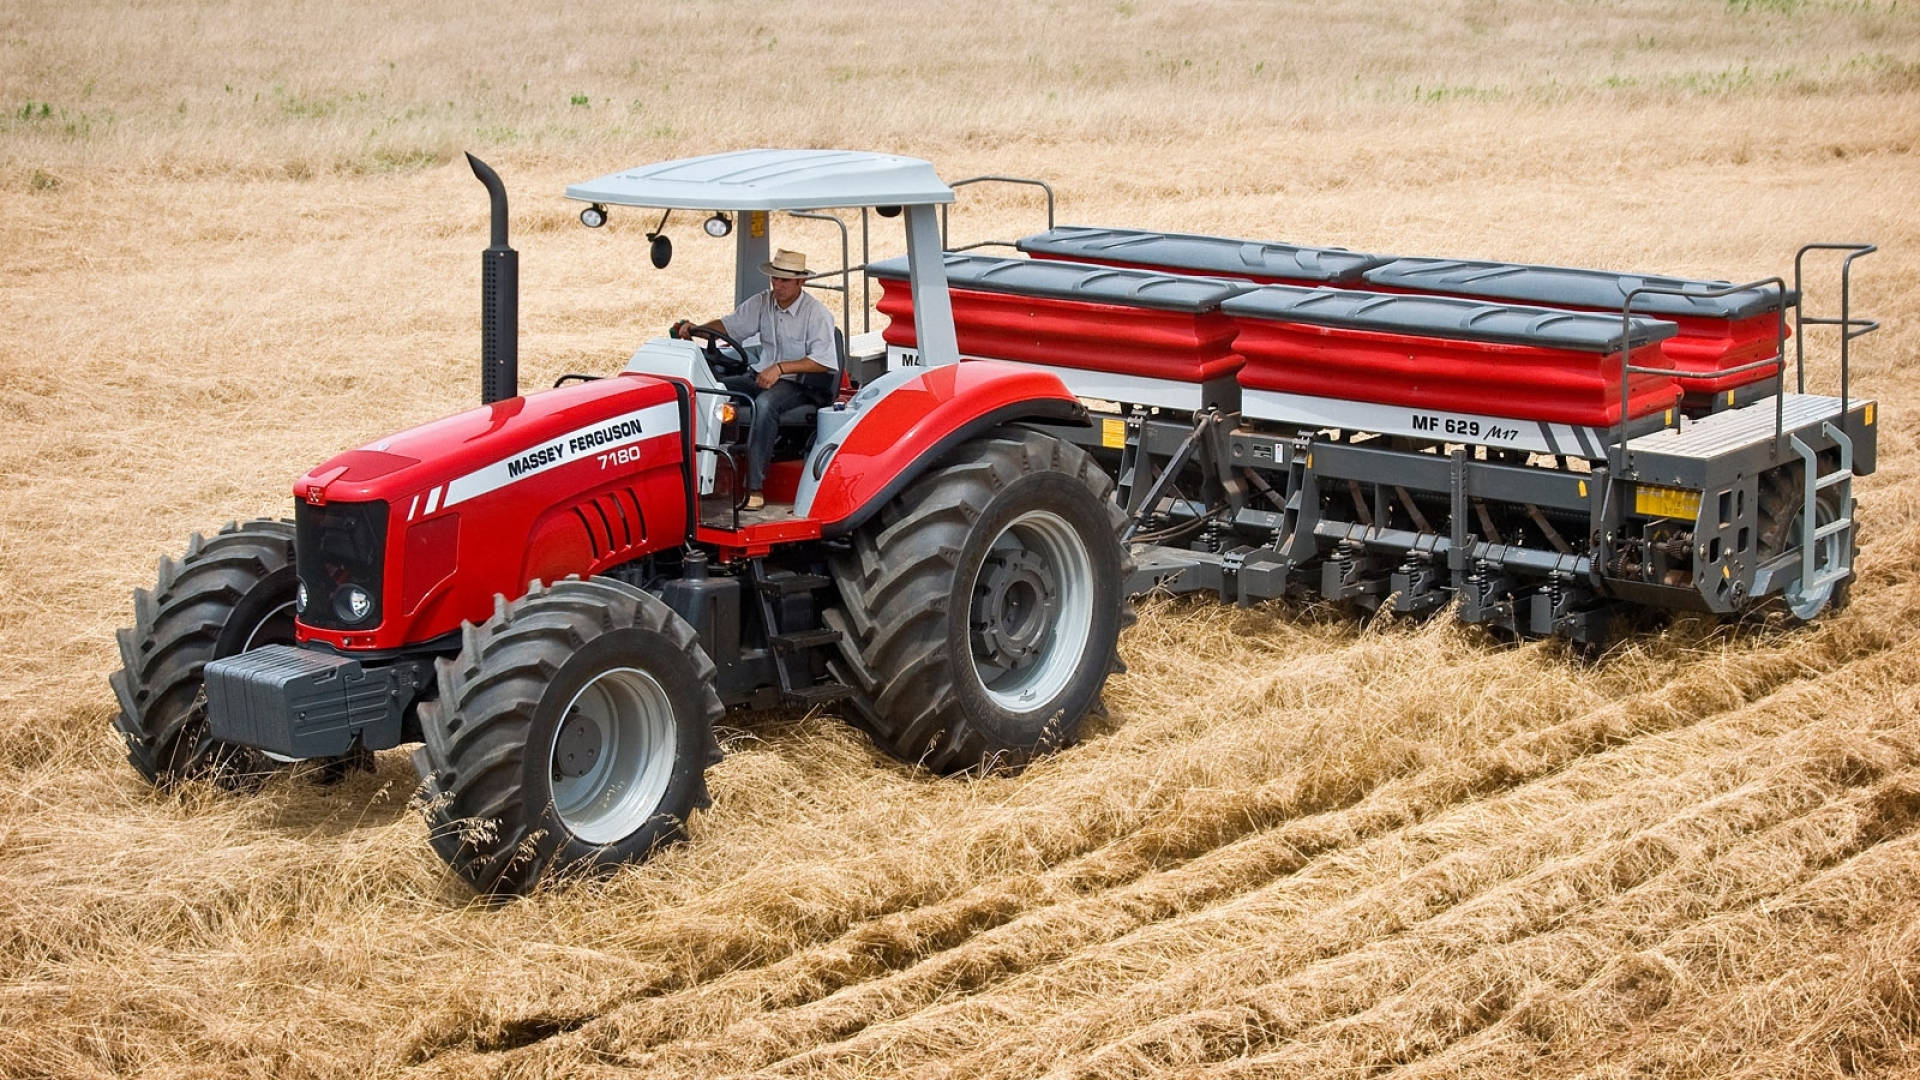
column 767, row 376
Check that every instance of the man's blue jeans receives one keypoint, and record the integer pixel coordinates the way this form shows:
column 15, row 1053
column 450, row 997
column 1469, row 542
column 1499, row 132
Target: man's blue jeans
column 768, row 404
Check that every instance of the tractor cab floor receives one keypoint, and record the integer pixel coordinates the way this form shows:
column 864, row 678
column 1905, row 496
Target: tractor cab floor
column 716, row 513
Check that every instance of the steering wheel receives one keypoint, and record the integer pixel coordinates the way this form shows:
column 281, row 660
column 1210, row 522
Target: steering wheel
column 722, row 364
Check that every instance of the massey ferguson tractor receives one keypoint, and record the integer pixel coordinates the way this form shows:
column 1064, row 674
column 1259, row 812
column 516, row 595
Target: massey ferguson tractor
column 557, row 594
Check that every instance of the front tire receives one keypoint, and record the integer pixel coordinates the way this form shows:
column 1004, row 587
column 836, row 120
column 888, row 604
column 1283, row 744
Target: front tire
column 980, row 610
column 572, row 733
column 228, row 594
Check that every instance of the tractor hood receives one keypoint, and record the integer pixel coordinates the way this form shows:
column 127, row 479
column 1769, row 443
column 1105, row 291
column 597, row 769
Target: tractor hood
column 439, row 464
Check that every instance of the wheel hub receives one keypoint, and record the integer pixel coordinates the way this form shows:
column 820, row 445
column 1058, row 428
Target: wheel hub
column 1031, row 610
column 1013, row 608
column 577, row 748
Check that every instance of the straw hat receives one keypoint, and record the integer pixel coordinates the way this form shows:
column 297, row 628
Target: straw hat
column 787, row 264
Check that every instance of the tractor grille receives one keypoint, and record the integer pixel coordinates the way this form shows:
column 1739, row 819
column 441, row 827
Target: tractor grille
column 337, row 546
column 613, row 521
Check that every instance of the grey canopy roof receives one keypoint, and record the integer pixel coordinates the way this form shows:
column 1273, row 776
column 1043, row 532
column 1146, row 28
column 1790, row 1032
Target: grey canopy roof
column 771, row 180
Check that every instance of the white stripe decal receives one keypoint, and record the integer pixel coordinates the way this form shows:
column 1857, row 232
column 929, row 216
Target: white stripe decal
column 583, row 442
column 433, row 500
column 1311, row 411
column 413, row 507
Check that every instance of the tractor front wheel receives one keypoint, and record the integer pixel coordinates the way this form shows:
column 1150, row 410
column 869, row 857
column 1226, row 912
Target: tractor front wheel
column 980, row 610
column 572, row 732
column 229, row 593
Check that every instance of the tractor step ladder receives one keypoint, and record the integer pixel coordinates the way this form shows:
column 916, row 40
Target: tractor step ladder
column 801, row 640
column 1814, row 572
column 797, row 687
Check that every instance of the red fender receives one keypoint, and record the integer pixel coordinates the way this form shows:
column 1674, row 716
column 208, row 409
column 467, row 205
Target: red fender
column 913, row 423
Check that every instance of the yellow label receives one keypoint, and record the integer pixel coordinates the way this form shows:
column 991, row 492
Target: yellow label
column 1869, row 416
column 1669, row 420
column 1681, row 504
column 1113, row 434
column 757, row 224
column 1724, row 572
column 1583, row 489
column 1729, row 397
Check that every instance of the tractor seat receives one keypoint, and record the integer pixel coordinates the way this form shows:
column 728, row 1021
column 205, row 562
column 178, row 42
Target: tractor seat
column 825, row 385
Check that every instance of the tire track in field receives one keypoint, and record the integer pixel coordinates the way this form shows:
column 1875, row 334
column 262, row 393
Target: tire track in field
column 1662, row 984
column 1363, row 914
column 1843, row 763
column 1454, row 997
column 1055, row 934
column 1519, row 1005
column 1828, row 762
column 1722, row 1003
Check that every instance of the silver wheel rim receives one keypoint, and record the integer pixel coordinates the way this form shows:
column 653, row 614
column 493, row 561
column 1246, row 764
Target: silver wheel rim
column 1807, row 603
column 1031, row 614
column 612, row 754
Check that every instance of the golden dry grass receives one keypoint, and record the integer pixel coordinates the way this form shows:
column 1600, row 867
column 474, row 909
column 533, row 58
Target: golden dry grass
column 236, row 240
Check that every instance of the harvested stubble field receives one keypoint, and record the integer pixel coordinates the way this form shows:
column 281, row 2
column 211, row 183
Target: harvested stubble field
column 237, row 239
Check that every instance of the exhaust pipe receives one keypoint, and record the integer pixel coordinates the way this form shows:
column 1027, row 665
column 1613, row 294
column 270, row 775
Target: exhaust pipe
column 499, row 299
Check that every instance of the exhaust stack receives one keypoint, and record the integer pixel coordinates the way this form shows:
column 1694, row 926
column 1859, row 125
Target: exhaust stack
column 499, row 299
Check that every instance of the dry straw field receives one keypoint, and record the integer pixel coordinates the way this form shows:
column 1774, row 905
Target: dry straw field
column 234, row 238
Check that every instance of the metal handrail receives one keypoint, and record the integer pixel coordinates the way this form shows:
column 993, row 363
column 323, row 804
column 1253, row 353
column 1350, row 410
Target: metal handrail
column 1026, row 180
column 986, row 243
column 720, row 454
column 1846, row 322
column 846, row 293
column 1777, row 361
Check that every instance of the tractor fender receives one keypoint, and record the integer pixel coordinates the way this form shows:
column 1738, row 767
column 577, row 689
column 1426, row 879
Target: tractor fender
column 902, row 424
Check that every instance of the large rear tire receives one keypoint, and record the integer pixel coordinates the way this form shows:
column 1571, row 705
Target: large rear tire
column 228, row 594
column 572, row 733
column 980, row 609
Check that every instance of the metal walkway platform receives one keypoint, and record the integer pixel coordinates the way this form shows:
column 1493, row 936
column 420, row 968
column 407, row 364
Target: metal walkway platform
column 1711, row 436
column 1710, row 449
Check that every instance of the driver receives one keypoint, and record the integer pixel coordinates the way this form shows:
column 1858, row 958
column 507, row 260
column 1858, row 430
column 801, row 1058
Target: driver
column 796, row 339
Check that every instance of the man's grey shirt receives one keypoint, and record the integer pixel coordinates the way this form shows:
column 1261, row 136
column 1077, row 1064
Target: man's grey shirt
column 801, row 331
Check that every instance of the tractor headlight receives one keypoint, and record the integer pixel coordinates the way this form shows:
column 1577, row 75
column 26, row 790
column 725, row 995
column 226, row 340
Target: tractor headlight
column 353, row 603
column 300, row 599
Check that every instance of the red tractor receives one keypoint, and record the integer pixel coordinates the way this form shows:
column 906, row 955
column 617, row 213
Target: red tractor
column 558, row 594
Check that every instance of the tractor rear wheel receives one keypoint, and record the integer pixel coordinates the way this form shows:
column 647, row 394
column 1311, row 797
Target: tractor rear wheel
column 228, row 594
column 572, row 732
column 980, row 609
